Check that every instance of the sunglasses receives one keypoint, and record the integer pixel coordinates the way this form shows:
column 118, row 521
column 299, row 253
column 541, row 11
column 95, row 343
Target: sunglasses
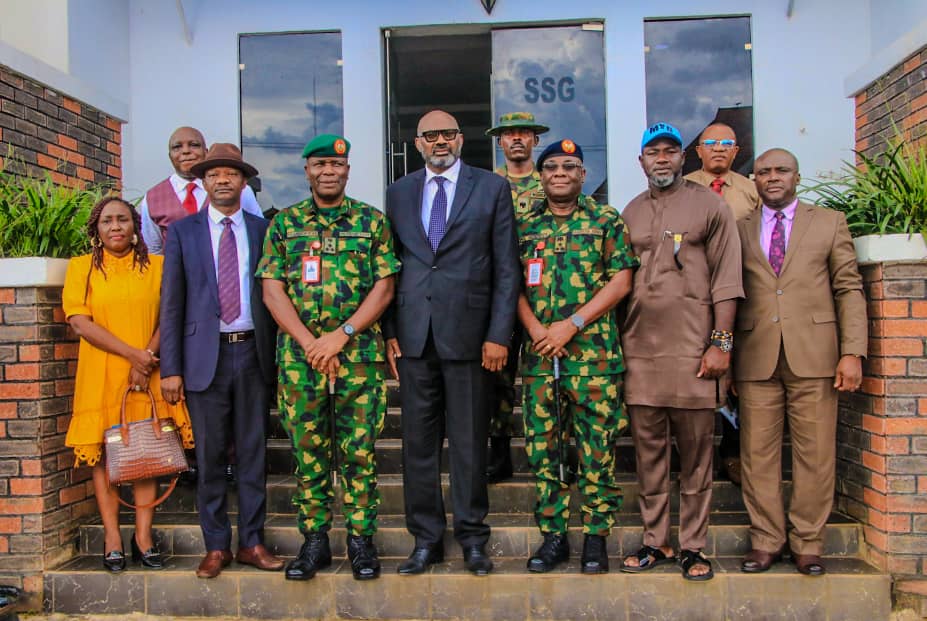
column 724, row 144
column 432, row 134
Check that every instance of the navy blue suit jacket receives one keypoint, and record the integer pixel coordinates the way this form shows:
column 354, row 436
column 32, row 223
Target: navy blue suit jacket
column 190, row 303
column 467, row 291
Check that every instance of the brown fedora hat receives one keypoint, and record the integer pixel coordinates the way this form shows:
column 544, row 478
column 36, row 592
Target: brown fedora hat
column 223, row 154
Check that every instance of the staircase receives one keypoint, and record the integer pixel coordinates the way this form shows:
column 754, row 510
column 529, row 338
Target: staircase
column 852, row 589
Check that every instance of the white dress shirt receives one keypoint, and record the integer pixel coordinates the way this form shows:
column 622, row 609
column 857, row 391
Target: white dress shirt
column 431, row 188
column 244, row 321
column 151, row 232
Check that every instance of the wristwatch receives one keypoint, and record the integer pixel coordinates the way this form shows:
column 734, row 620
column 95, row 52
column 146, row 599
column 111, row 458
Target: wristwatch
column 577, row 321
column 723, row 340
column 348, row 329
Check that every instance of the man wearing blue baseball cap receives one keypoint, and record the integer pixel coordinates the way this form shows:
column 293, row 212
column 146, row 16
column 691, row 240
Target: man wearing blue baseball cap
column 677, row 339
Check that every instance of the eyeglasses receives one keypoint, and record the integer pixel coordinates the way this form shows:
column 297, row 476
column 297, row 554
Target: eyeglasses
column 432, row 134
column 724, row 144
column 567, row 167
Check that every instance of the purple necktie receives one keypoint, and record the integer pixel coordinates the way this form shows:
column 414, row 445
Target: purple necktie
column 777, row 244
column 438, row 220
column 229, row 287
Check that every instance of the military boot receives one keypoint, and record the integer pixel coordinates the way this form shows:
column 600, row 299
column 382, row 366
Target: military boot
column 315, row 554
column 554, row 550
column 499, row 466
column 595, row 555
column 363, row 556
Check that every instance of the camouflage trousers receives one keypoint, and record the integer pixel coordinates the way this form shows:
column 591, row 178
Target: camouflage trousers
column 591, row 412
column 502, row 421
column 360, row 406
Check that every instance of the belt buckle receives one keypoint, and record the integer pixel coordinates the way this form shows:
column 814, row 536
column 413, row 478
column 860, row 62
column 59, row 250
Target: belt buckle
column 234, row 337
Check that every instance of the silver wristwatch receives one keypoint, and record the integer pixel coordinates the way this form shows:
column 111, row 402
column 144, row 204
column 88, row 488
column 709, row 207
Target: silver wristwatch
column 348, row 329
column 577, row 321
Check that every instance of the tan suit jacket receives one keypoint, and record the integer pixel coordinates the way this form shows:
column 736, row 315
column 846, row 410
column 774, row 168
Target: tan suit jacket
column 815, row 308
column 738, row 191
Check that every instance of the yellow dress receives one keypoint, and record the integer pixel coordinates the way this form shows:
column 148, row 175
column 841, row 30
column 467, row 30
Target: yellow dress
column 125, row 301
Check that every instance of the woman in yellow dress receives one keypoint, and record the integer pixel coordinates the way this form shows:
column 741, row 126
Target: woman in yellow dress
column 111, row 298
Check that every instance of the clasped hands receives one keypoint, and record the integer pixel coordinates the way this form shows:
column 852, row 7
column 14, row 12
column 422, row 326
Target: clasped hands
column 143, row 364
column 551, row 340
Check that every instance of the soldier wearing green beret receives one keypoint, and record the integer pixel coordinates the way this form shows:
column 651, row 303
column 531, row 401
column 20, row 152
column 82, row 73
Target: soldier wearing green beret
column 517, row 133
column 328, row 266
column 578, row 265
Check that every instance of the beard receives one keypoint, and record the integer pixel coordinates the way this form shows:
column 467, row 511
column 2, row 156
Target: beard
column 442, row 161
column 662, row 181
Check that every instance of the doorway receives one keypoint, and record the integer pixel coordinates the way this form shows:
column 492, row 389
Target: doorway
column 446, row 70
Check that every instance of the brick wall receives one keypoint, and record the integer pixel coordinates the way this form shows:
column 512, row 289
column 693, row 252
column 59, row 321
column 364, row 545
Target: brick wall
column 51, row 131
column 882, row 431
column 899, row 97
column 43, row 499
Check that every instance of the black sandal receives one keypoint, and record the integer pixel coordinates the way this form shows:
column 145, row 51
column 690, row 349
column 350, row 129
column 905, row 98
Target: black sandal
column 688, row 558
column 648, row 557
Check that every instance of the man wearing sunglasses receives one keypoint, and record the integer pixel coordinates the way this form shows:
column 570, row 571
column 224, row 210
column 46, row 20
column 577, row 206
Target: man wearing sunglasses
column 449, row 327
column 517, row 133
column 717, row 148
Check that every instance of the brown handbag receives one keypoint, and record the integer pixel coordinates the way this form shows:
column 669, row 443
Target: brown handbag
column 145, row 449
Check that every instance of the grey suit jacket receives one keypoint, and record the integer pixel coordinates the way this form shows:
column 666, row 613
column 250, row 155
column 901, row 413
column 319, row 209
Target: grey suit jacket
column 467, row 291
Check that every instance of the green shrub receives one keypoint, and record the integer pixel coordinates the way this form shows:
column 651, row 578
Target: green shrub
column 885, row 194
column 41, row 218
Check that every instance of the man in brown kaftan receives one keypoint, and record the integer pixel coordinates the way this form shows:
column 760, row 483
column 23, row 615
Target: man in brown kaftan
column 677, row 341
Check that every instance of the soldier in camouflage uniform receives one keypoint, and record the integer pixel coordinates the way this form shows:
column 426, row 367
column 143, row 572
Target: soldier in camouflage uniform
column 328, row 264
column 517, row 133
column 578, row 266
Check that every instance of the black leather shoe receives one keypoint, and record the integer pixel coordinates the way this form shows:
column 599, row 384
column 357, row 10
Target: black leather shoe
column 150, row 558
column 420, row 559
column 114, row 561
column 315, row 554
column 363, row 556
column 188, row 477
column 595, row 555
column 476, row 560
column 499, row 466
column 554, row 550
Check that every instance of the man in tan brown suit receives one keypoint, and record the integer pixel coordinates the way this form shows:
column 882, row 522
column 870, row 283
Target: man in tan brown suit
column 717, row 148
column 799, row 339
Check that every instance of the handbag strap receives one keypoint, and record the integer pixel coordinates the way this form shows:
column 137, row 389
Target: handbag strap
column 124, row 424
column 157, row 501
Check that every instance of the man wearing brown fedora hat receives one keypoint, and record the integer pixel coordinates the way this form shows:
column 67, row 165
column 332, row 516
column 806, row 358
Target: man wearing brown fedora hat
column 217, row 351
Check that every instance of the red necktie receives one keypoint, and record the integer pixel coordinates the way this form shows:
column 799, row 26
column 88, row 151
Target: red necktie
column 716, row 184
column 189, row 203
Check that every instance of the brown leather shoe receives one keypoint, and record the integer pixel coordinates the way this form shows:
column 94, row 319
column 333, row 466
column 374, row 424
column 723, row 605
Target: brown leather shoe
column 213, row 563
column 809, row 564
column 259, row 557
column 757, row 561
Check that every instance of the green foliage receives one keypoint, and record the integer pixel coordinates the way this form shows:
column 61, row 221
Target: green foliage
column 41, row 218
column 885, row 194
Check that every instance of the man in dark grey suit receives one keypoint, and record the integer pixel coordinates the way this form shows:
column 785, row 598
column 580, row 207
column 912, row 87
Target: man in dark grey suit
column 449, row 326
column 217, row 349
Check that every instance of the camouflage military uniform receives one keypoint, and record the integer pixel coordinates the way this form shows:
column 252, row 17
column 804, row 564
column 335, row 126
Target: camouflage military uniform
column 356, row 251
column 580, row 257
column 526, row 190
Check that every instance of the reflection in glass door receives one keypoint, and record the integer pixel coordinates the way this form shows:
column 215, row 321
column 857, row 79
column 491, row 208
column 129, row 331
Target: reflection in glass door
column 557, row 74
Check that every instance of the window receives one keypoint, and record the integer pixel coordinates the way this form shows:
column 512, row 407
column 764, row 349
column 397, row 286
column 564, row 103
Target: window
column 291, row 90
column 700, row 71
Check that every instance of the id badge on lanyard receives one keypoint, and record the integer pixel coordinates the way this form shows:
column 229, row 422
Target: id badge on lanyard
column 312, row 266
column 535, row 267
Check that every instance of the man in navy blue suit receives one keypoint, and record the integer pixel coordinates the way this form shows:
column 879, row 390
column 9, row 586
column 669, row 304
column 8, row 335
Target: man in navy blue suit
column 217, row 351
column 450, row 325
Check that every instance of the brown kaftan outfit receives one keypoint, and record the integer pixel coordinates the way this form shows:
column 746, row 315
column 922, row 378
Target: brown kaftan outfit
column 690, row 259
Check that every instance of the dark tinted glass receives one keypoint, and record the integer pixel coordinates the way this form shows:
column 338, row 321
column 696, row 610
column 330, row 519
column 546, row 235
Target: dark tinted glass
column 699, row 71
column 291, row 90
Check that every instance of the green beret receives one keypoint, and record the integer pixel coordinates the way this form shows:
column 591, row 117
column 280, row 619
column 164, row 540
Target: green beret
column 327, row 145
column 517, row 119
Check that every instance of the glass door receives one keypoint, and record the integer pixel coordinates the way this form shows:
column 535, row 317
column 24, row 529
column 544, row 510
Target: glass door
column 557, row 74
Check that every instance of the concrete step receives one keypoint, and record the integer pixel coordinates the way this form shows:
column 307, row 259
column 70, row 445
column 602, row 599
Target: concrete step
column 514, row 496
column 851, row 590
column 280, row 458
column 514, row 535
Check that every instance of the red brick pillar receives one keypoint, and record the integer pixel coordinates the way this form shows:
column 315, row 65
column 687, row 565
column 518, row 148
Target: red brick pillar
column 882, row 431
column 43, row 499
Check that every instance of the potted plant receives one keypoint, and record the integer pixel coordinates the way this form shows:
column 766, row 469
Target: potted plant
column 885, row 201
column 42, row 224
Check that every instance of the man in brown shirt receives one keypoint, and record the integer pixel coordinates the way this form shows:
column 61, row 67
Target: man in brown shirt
column 677, row 341
column 717, row 148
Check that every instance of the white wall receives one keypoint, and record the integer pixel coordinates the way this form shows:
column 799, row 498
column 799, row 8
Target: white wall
column 98, row 44
column 38, row 28
column 799, row 64
column 890, row 19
